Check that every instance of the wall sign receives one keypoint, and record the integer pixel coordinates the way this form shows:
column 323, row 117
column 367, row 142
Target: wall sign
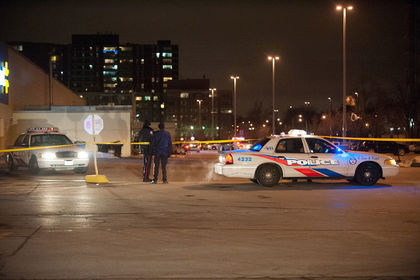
column 4, row 75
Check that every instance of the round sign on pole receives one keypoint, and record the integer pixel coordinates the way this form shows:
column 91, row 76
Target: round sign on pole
column 88, row 125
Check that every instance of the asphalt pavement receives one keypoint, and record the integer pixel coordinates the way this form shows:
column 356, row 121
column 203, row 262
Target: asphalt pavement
column 205, row 226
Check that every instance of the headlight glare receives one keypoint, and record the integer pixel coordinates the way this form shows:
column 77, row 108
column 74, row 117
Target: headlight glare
column 48, row 155
column 390, row 162
column 82, row 154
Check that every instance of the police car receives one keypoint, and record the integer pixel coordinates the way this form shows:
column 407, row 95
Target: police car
column 301, row 156
column 64, row 156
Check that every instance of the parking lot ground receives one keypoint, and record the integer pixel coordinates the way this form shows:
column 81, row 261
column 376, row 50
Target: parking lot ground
column 204, row 226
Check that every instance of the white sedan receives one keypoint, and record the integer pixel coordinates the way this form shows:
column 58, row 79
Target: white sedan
column 303, row 157
column 42, row 149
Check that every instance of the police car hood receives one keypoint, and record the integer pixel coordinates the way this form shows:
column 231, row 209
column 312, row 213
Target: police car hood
column 367, row 155
column 62, row 148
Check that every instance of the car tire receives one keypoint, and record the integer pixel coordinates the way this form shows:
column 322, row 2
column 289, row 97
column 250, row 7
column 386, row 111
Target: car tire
column 268, row 175
column 80, row 170
column 33, row 166
column 11, row 166
column 367, row 174
column 255, row 181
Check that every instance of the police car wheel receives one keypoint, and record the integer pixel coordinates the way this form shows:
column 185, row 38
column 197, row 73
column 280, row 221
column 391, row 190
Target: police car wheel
column 367, row 174
column 268, row 175
column 33, row 166
column 11, row 166
column 255, row 181
column 81, row 170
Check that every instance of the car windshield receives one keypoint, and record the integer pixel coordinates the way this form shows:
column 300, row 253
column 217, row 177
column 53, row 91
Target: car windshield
column 258, row 146
column 50, row 140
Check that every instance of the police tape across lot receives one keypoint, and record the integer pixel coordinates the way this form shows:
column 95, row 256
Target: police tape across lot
column 203, row 142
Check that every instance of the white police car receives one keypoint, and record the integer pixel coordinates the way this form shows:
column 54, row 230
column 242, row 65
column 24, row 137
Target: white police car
column 31, row 154
column 300, row 156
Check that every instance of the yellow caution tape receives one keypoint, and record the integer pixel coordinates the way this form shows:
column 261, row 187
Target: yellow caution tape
column 37, row 148
column 376, row 139
column 203, row 142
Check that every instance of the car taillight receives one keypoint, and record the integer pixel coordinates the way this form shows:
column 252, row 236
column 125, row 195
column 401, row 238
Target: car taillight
column 228, row 159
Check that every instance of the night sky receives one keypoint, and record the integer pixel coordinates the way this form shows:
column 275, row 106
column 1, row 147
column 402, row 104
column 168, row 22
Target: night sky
column 220, row 38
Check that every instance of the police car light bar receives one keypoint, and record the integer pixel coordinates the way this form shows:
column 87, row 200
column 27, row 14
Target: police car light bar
column 42, row 129
column 297, row 132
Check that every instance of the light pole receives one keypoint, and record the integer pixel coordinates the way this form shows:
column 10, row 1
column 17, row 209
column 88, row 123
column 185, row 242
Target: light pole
column 344, row 9
column 234, row 78
column 273, row 59
column 199, row 112
column 307, row 103
column 330, row 100
column 357, row 101
column 212, row 112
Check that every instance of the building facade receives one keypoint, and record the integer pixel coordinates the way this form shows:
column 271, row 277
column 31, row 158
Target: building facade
column 104, row 72
column 25, row 86
column 190, row 105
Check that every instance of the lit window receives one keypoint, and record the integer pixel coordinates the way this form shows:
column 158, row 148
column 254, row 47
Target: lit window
column 90, row 66
column 167, row 61
column 157, row 55
column 142, row 85
column 110, row 50
column 142, row 61
column 165, row 79
column 114, row 79
column 184, row 95
column 153, row 79
column 166, row 66
column 139, row 98
column 165, row 85
column 147, row 98
column 108, row 60
column 125, row 49
column 110, row 85
column 166, row 54
column 162, row 106
column 155, row 98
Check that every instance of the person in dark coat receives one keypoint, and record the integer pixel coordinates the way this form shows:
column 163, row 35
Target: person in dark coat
column 146, row 135
column 162, row 150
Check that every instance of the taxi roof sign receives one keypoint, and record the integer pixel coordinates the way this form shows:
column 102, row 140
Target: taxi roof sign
column 42, row 129
column 297, row 132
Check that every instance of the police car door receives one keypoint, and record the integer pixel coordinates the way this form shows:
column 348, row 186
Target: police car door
column 325, row 159
column 291, row 156
column 21, row 142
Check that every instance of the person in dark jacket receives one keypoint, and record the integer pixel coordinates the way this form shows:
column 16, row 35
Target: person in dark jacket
column 146, row 135
column 162, row 149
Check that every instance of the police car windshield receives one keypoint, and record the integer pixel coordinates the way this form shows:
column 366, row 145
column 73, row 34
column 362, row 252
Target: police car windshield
column 50, row 140
column 258, row 146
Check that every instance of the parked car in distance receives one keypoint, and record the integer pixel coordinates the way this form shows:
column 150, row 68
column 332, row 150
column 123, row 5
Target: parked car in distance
column 383, row 147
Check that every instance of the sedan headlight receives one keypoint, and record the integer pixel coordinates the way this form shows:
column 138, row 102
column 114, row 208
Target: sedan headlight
column 82, row 155
column 390, row 162
column 47, row 155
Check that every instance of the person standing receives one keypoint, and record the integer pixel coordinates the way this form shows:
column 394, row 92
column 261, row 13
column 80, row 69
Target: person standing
column 162, row 149
column 146, row 135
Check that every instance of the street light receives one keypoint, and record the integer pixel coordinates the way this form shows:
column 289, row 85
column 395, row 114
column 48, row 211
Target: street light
column 344, row 9
column 234, row 78
column 307, row 103
column 212, row 112
column 199, row 111
column 357, row 101
column 273, row 59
